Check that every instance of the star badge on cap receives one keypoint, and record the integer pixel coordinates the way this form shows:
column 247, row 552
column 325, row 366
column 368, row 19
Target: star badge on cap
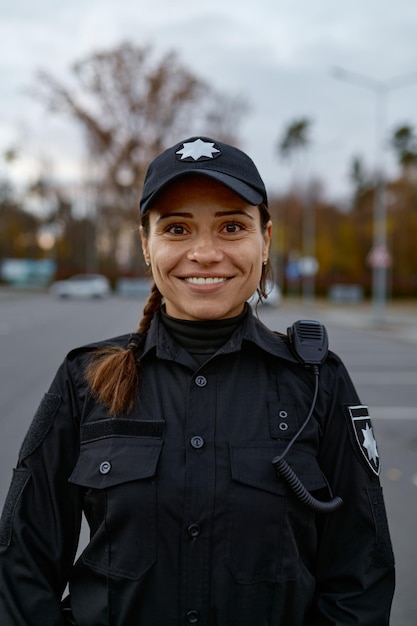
column 198, row 149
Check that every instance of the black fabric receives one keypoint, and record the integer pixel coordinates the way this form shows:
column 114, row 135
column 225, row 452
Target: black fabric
column 383, row 554
column 223, row 162
column 197, row 516
column 19, row 480
column 121, row 427
column 201, row 339
column 41, row 424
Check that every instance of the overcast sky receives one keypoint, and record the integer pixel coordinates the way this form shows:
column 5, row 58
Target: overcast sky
column 278, row 54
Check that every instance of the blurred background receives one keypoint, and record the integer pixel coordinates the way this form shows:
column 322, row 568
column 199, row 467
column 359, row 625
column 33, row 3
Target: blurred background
column 321, row 95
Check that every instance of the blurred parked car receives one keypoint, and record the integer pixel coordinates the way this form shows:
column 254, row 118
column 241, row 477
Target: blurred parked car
column 134, row 287
column 274, row 296
column 82, row 286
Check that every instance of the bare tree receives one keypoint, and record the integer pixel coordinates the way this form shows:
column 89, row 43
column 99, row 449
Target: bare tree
column 131, row 105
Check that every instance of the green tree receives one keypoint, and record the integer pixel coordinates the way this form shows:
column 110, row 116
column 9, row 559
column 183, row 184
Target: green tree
column 402, row 213
column 293, row 145
column 404, row 143
column 295, row 139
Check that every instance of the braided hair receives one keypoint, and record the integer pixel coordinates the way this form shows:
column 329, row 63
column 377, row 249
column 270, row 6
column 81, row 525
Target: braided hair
column 113, row 374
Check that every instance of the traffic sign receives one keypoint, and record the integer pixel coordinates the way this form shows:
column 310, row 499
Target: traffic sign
column 379, row 257
column 308, row 266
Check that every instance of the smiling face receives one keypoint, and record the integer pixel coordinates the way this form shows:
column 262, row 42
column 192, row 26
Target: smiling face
column 206, row 247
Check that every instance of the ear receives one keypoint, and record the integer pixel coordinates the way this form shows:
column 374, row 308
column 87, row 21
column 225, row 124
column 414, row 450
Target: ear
column 145, row 247
column 267, row 240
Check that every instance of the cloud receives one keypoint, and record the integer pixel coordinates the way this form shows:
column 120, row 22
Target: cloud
column 277, row 54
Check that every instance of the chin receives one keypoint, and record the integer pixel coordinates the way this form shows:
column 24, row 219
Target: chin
column 205, row 314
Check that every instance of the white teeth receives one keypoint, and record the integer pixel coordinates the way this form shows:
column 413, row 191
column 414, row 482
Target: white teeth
column 204, row 281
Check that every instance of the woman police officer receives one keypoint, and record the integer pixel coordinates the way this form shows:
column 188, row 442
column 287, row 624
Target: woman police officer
column 165, row 439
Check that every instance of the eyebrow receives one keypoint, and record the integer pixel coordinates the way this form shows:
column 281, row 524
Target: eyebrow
column 168, row 215
column 235, row 212
column 218, row 214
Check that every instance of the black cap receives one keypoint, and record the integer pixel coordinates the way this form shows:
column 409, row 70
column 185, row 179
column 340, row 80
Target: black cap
column 202, row 155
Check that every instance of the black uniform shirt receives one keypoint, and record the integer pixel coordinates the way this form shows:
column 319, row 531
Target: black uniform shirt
column 189, row 522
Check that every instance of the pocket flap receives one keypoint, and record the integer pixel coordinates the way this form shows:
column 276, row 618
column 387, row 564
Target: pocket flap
column 114, row 460
column 251, row 464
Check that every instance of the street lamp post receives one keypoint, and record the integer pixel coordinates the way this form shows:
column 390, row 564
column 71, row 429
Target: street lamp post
column 380, row 261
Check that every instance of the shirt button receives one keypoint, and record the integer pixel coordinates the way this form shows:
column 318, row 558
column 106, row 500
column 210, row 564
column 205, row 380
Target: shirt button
column 197, row 442
column 105, row 467
column 201, row 381
column 193, row 617
column 194, row 530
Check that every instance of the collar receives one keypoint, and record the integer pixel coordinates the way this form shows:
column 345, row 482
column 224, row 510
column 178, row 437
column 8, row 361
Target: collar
column 251, row 329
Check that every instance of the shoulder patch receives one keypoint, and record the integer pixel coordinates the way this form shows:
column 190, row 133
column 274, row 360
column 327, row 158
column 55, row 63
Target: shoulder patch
column 41, row 424
column 364, row 436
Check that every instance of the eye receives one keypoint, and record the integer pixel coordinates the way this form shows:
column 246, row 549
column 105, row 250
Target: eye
column 176, row 229
column 233, row 227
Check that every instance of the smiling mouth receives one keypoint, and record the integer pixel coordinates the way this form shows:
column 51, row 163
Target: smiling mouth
column 204, row 281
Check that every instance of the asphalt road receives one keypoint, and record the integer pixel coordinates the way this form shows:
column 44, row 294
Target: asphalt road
column 36, row 331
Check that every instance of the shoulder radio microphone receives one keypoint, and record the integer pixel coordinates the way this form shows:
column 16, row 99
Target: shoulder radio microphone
column 309, row 343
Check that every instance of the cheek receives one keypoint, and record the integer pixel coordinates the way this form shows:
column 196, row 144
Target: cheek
column 254, row 254
column 163, row 258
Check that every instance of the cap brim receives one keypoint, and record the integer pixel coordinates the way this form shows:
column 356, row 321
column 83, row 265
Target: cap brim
column 247, row 193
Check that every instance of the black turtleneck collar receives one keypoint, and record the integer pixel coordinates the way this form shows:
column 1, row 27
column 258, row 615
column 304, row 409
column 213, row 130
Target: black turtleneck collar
column 202, row 338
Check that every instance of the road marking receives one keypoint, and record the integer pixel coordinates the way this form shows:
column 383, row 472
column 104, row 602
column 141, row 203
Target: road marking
column 384, row 378
column 393, row 412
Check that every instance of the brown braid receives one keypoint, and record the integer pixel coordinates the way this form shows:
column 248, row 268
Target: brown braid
column 113, row 375
column 153, row 304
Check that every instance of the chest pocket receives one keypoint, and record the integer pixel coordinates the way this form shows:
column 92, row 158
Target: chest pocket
column 118, row 474
column 268, row 527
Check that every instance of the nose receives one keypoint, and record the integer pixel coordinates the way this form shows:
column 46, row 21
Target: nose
column 205, row 250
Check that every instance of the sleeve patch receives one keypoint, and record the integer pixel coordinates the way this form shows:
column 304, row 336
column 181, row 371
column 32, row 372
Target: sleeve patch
column 383, row 554
column 19, row 480
column 41, row 424
column 364, row 436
